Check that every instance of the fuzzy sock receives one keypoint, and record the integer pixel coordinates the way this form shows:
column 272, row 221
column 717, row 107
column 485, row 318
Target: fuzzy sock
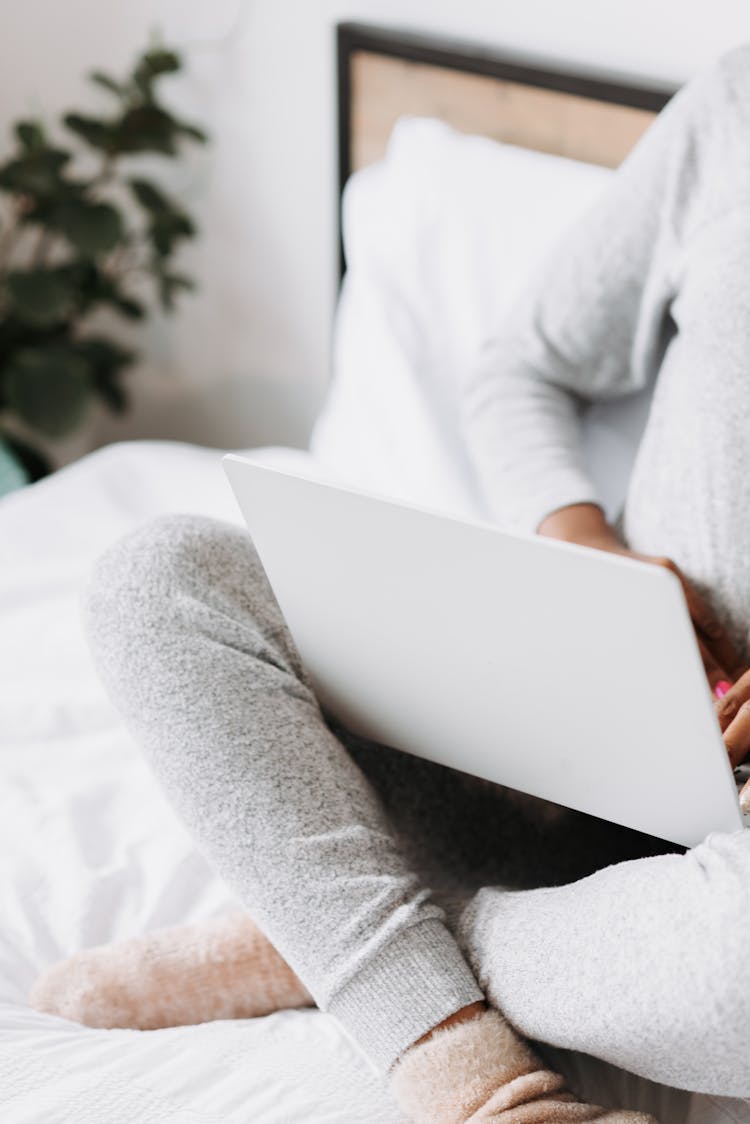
column 481, row 1070
column 224, row 968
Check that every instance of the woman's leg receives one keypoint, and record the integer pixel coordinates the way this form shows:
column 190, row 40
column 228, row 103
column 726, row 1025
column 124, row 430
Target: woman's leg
column 222, row 968
column 194, row 651
column 644, row 964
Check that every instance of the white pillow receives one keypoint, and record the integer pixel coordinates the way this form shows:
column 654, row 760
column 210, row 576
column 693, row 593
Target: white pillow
column 439, row 237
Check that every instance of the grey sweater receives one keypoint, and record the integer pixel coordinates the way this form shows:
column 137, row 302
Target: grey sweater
column 652, row 282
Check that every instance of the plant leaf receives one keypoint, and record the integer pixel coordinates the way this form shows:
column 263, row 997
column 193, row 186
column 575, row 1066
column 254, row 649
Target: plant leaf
column 106, row 361
column 93, row 228
column 30, row 135
column 48, row 388
column 92, row 286
column 193, row 131
column 84, row 279
column 150, row 66
column 95, row 131
column 170, row 284
column 128, row 306
column 167, row 229
column 111, row 393
column 150, row 197
column 146, row 128
column 40, row 296
column 103, row 354
column 16, row 333
column 168, row 222
column 36, row 173
column 107, row 83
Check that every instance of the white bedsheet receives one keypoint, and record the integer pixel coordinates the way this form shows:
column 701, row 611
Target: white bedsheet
column 90, row 851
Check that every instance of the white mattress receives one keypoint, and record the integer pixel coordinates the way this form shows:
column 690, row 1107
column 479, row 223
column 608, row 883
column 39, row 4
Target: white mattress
column 91, row 852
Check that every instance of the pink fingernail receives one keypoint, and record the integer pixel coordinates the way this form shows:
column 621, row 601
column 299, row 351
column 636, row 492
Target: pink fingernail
column 721, row 688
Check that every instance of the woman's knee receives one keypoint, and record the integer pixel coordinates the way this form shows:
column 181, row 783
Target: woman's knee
column 183, row 584
column 145, row 580
column 146, row 569
column 716, row 967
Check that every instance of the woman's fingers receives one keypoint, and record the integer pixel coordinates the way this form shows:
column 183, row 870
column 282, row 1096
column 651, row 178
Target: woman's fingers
column 711, row 633
column 737, row 736
column 723, row 664
column 745, row 797
column 728, row 706
column 733, row 712
column 714, row 672
column 720, row 657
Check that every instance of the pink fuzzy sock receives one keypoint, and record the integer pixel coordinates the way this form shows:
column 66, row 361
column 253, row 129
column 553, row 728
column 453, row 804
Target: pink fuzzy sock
column 481, row 1070
column 220, row 969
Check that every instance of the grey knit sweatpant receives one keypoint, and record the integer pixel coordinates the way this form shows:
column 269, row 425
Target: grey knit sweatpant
column 365, row 866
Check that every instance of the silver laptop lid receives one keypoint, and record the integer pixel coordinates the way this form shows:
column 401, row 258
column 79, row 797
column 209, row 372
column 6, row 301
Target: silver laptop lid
column 560, row 671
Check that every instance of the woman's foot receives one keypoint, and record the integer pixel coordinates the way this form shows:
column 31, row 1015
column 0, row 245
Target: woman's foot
column 225, row 968
column 479, row 1069
column 472, row 1068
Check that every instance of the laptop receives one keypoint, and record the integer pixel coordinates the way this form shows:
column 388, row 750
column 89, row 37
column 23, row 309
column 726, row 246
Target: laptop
column 553, row 669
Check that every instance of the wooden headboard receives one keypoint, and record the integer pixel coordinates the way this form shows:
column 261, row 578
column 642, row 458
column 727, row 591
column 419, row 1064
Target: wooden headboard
column 385, row 74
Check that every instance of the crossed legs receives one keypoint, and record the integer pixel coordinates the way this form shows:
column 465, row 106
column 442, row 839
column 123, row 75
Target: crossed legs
column 639, row 963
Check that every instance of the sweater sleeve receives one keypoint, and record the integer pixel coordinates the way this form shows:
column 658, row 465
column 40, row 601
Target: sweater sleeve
column 588, row 326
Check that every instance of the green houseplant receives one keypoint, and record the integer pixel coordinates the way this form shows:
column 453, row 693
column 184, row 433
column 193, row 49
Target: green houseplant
column 81, row 235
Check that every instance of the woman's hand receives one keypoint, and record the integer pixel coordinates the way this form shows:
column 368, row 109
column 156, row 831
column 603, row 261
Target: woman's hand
column 586, row 525
column 721, row 660
column 733, row 712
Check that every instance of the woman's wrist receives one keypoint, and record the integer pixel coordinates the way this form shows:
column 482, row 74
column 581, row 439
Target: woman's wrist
column 582, row 523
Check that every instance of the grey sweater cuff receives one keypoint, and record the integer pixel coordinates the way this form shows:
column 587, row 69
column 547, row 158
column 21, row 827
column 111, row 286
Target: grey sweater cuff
column 413, row 984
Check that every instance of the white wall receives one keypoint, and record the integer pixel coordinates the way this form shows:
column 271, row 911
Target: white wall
column 246, row 360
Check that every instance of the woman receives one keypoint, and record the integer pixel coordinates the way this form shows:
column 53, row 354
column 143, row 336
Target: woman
column 334, row 844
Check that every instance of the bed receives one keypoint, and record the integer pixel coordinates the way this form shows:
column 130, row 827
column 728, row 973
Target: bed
column 90, row 850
